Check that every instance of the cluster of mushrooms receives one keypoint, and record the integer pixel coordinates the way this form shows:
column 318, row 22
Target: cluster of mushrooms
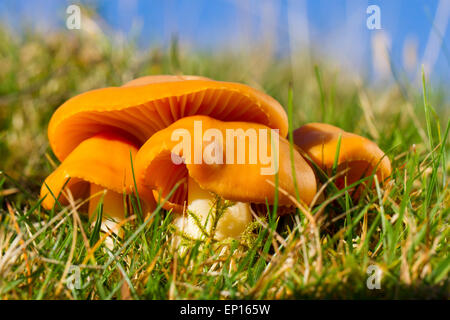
column 116, row 141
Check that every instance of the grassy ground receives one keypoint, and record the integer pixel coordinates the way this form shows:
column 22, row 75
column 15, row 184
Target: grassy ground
column 402, row 229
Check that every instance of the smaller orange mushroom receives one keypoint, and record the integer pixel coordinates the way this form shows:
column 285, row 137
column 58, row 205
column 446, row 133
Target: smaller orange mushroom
column 229, row 162
column 357, row 155
column 100, row 163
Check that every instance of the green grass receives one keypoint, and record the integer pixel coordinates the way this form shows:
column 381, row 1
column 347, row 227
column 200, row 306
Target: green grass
column 319, row 252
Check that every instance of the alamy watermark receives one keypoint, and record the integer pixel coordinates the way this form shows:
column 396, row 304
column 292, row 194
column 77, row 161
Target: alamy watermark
column 374, row 280
column 374, row 19
column 234, row 143
column 73, row 20
column 73, row 281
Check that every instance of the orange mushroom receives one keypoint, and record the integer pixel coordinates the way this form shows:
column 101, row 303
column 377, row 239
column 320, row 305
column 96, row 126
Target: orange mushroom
column 133, row 113
column 100, row 163
column 231, row 160
column 145, row 105
column 358, row 156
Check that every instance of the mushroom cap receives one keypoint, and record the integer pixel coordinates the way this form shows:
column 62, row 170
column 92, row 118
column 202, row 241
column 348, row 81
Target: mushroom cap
column 231, row 180
column 143, row 106
column 359, row 154
column 104, row 160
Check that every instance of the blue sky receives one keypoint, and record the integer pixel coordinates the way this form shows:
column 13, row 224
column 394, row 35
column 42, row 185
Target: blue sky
column 335, row 28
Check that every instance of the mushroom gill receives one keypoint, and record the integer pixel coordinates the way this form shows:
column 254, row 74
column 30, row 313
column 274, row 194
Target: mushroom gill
column 145, row 105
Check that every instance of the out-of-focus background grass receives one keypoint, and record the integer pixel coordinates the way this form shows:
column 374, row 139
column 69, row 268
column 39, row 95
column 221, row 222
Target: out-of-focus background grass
column 365, row 81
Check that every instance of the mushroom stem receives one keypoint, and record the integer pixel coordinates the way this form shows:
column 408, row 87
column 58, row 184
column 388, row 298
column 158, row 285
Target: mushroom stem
column 231, row 224
column 113, row 210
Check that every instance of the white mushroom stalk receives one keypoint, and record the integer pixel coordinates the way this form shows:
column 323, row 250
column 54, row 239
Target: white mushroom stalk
column 113, row 210
column 200, row 219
